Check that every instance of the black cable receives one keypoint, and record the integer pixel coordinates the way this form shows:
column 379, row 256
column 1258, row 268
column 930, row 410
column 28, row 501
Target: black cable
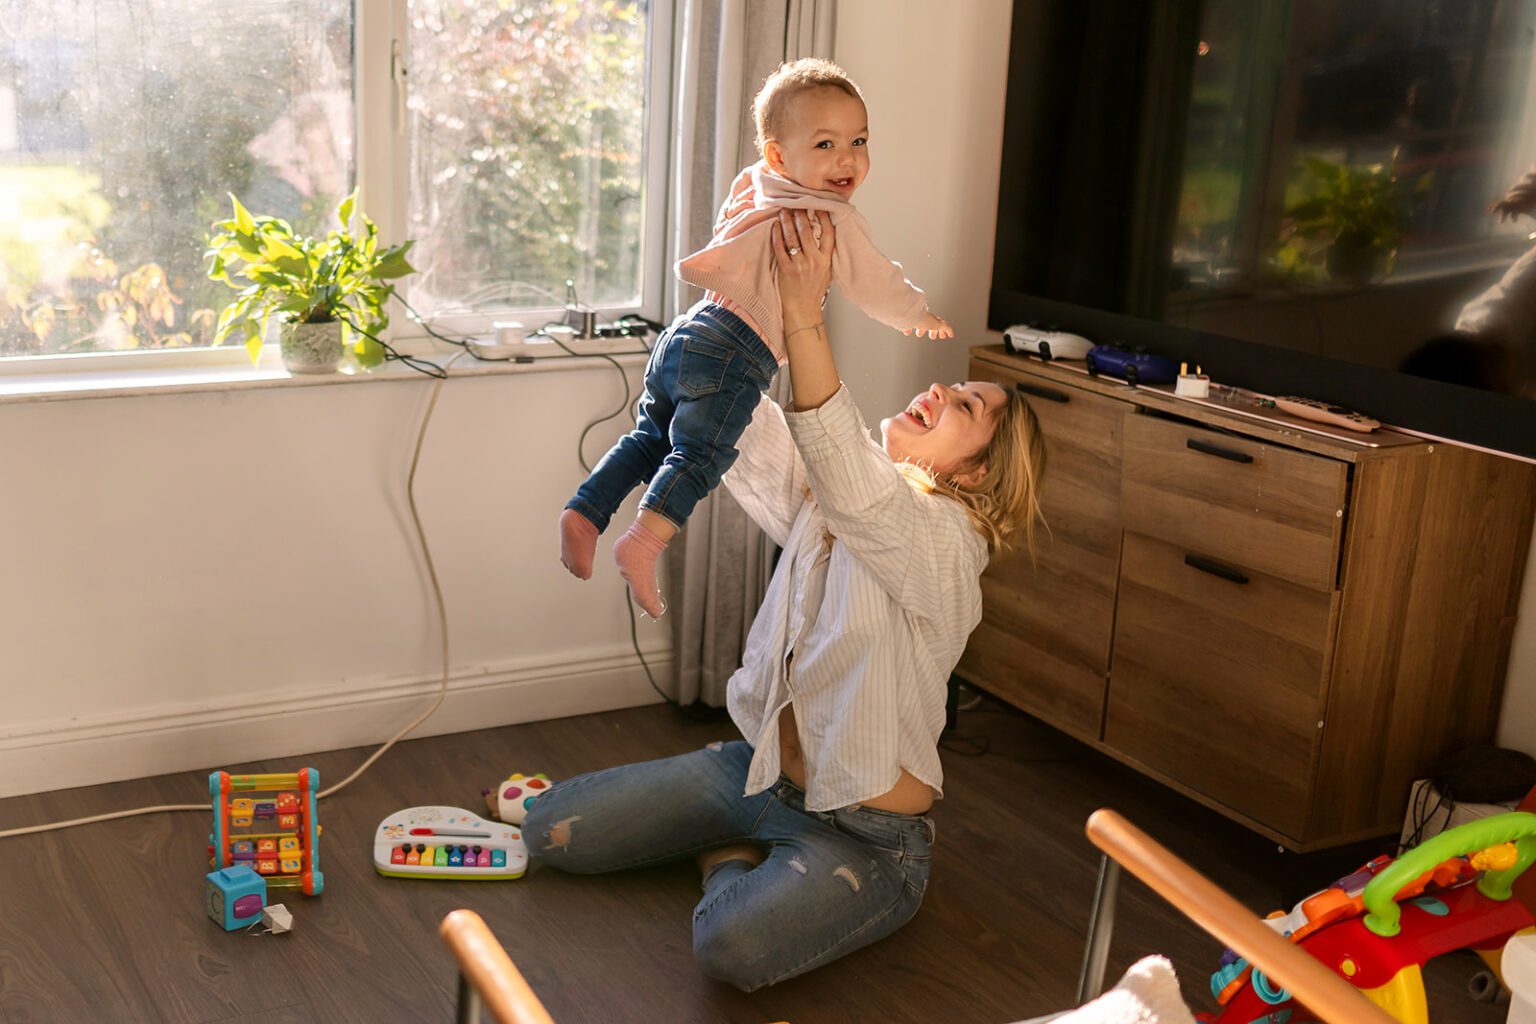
column 419, row 365
column 634, row 639
column 1420, row 819
column 977, row 745
column 627, row 320
column 463, row 343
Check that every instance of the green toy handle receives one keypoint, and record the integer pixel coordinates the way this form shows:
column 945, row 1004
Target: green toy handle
column 1518, row 827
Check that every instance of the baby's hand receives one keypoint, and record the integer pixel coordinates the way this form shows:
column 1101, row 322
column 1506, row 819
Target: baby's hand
column 933, row 326
column 1521, row 198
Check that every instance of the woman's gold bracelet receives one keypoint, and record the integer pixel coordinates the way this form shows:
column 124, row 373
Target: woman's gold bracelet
column 813, row 327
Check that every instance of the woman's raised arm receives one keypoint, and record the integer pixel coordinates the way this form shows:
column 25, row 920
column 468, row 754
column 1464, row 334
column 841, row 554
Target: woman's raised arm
column 804, row 259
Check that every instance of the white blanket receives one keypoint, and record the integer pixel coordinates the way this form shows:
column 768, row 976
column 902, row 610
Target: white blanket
column 1147, row 994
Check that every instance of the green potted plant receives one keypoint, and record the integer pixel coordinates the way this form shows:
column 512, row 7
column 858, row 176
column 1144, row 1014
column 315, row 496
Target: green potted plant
column 1347, row 224
column 322, row 291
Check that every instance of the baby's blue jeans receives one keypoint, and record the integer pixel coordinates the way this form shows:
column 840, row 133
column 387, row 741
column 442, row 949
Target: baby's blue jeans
column 833, row 881
column 702, row 384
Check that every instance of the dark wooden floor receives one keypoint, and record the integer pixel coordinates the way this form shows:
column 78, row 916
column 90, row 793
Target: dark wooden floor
column 105, row 922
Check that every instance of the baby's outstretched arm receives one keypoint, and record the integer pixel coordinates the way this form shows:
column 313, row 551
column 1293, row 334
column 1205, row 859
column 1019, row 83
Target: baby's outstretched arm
column 1521, row 198
column 932, row 326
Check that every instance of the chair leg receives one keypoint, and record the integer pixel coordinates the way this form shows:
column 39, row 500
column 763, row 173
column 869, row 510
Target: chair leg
column 469, row 1003
column 1090, row 982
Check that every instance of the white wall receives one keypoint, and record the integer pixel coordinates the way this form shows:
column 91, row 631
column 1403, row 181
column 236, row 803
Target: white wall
column 194, row 580
column 1517, row 726
column 933, row 77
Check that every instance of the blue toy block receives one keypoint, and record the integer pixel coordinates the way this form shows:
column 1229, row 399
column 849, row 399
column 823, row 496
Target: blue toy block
column 234, row 896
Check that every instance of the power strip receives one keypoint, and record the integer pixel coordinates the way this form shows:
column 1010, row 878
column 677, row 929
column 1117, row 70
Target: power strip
column 537, row 345
column 602, row 346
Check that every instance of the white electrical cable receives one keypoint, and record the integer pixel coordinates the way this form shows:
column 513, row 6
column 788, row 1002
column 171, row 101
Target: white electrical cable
column 442, row 690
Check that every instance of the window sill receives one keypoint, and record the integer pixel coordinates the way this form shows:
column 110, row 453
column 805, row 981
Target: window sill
column 113, row 379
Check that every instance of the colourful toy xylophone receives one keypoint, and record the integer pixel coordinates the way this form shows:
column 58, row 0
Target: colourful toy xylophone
column 448, row 842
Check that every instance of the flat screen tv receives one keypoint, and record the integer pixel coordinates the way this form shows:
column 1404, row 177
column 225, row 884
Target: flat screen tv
column 1301, row 196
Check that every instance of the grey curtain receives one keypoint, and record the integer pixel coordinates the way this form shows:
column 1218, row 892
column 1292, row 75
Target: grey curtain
column 718, row 567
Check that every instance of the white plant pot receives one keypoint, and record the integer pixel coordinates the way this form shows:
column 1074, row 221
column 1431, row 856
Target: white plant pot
column 310, row 348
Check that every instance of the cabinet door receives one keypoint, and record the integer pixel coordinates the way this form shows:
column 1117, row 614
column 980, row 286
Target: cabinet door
column 1218, row 679
column 1043, row 643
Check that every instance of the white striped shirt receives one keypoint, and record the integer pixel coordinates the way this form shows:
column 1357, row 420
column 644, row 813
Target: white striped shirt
column 875, row 619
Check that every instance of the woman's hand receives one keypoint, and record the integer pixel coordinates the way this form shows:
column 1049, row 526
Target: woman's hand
column 804, row 264
column 805, row 271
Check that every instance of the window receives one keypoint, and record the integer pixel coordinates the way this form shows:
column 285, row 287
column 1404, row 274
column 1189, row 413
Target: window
column 510, row 137
column 527, row 147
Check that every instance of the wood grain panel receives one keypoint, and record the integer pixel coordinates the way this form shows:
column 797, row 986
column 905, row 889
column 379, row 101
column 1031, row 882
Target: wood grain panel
column 1044, row 644
column 1219, row 683
column 1431, row 584
column 1280, row 513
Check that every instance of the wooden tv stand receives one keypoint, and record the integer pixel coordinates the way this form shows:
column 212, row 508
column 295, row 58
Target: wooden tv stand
column 1287, row 626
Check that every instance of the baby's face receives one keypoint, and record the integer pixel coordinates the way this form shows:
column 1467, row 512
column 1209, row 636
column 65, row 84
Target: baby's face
column 824, row 142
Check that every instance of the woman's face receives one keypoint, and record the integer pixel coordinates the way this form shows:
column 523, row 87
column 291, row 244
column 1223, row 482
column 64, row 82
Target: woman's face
column 946, row 426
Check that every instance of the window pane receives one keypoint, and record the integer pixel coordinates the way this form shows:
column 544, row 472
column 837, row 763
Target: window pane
column 527, row 151
column 124, row 123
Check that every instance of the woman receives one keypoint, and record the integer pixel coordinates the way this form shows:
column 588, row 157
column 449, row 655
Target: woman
column 812, row 833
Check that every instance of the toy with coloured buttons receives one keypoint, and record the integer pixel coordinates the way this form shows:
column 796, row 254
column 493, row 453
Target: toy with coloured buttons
column 1379, row 926
column 447, row 842
column 234, row 896
column 510, row 800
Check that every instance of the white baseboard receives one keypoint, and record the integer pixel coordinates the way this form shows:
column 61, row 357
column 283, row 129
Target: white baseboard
column 131, row 744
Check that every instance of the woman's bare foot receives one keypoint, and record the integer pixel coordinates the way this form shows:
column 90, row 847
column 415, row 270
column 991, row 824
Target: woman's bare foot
column 746, row 851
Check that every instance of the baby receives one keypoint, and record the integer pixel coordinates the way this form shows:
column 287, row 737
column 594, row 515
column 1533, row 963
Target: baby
column 709, row 369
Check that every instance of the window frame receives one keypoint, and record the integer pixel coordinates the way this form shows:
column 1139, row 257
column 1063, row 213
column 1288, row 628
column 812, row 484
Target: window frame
column 381, row 82
column 383, row 88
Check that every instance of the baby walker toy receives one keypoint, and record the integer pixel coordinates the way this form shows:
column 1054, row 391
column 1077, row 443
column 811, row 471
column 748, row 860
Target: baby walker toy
column 1379, row 926
column 266, row 838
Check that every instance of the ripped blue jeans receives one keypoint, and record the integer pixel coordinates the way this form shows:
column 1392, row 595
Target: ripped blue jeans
column 832, row 882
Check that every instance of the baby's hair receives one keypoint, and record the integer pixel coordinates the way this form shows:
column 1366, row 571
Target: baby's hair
column 789, row 81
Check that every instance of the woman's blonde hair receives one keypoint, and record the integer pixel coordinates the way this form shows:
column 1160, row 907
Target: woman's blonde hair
column 1006, row 501
column 788, row 81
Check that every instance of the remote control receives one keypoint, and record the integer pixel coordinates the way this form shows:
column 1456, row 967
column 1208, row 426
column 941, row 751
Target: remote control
column 1322, row 412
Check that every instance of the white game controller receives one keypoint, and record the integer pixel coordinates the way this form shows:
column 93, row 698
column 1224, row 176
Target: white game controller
column 1036, row 341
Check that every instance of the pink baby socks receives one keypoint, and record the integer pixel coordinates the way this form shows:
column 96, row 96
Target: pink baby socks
column 636, row 553
column 578, row 543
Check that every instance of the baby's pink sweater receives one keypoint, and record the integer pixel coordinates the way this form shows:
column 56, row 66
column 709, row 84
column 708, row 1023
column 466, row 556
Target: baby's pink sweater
column 737, row 264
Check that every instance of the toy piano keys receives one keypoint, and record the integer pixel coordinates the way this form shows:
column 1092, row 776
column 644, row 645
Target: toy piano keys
column 448, row 842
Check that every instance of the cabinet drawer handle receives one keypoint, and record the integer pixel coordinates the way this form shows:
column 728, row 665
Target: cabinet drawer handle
column 1049, row 394
column 1226, row 572
column 1218, row 451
